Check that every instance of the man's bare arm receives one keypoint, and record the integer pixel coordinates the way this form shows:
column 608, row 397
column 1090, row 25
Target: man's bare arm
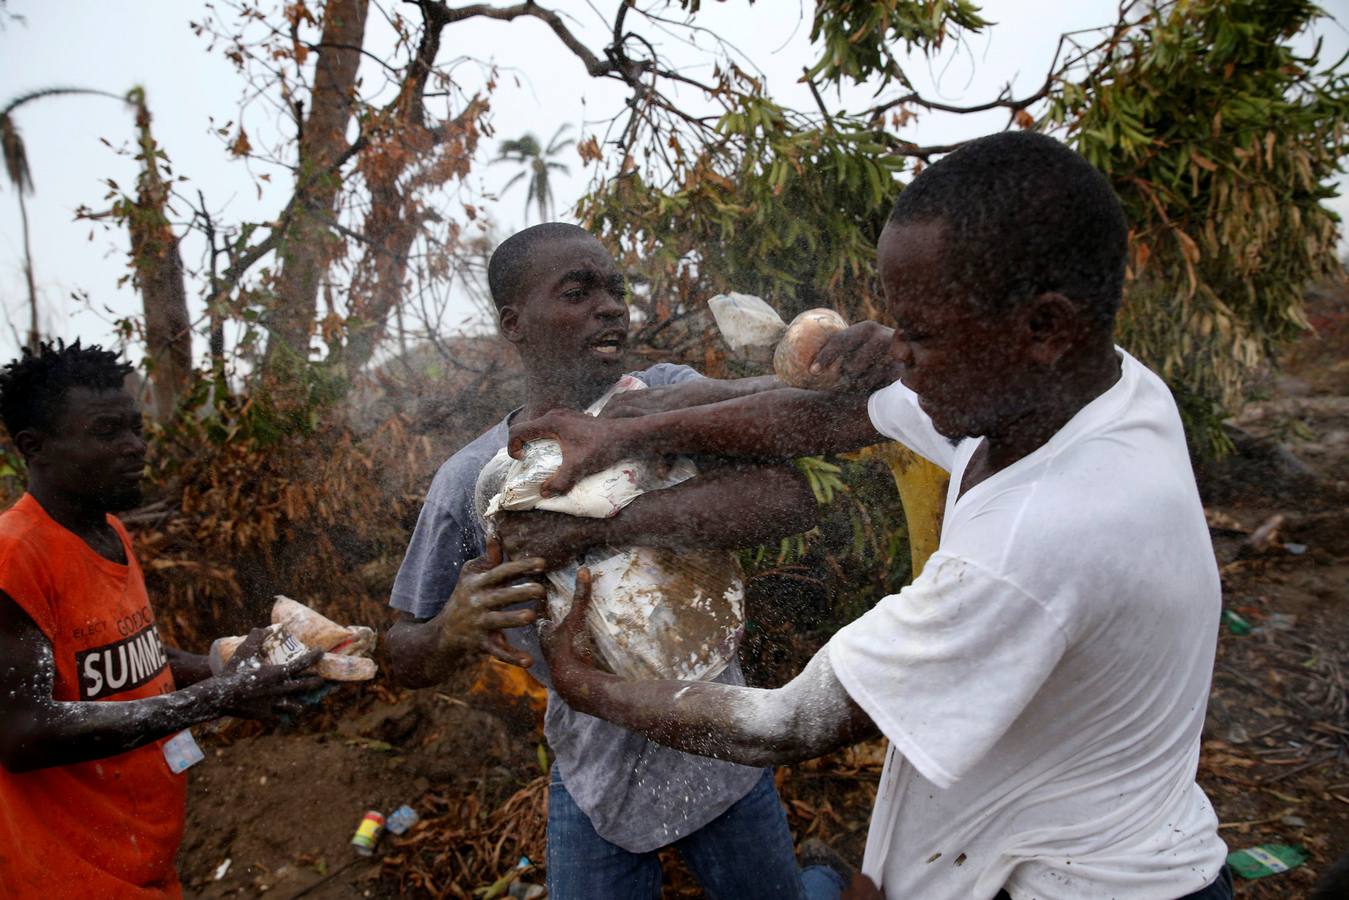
column 810, row 716
column 38, row 731
column 726, row 507
column 857, row 360
column 695, row 392
column 417, row 655
column 772, row 425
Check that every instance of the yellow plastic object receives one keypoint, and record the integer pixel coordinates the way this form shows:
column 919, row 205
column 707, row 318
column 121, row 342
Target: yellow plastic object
column 922, row 490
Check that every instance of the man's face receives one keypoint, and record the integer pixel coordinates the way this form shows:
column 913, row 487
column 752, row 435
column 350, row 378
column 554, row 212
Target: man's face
column 964, row 363
column 572, row 318
column 94, row 450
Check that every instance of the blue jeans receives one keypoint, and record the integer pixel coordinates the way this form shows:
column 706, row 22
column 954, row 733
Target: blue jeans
column 746, row 852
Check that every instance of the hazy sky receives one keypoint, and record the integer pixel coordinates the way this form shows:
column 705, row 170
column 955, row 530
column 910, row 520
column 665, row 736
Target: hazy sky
column 115, row 44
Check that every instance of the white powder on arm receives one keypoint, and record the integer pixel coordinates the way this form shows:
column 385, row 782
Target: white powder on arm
column 805, row 718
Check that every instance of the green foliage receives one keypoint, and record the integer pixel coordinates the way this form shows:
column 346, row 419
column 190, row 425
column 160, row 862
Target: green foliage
column 822, row 477
column 856, row 554
column 776, row 207
column 297, row 401
column 1222, row 143
column 856, row 36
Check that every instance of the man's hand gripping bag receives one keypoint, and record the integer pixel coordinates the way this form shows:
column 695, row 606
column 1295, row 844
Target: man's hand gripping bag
column 655, row 613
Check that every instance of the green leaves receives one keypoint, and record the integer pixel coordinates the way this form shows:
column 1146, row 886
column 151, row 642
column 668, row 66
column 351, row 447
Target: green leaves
column 822, row 476
column 856, row 36
column 1219, row 140
column 778, row 206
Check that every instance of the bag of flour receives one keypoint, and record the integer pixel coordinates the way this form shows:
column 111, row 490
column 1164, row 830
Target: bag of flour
column 654, row 613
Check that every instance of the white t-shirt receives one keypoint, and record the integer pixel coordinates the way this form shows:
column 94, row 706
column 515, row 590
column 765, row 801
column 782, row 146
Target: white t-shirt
column 1043, row 682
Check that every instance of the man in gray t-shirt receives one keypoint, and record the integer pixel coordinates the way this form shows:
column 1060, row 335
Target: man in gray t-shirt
column 615, row 798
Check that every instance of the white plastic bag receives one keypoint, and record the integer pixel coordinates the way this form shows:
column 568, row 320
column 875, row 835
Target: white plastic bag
column 596, row 496
column 745, row 320
column 654, row 613
column 659, row 613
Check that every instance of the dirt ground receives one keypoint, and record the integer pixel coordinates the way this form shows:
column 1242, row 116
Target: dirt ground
column 280, row 808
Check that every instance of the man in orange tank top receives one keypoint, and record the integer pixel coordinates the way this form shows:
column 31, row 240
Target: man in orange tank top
column 93, row 733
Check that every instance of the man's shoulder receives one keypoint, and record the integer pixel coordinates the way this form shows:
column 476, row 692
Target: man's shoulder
column 458, row 474
column 29, row 565
column 1140, row 407
column 1129, row 457
column 19, row 530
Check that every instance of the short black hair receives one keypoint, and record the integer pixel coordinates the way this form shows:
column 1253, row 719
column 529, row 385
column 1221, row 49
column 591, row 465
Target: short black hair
column 33, row 387
column 506, row 268
column 1023, row 214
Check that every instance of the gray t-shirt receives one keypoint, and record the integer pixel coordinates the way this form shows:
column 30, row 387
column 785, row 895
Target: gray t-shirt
column 638, row 795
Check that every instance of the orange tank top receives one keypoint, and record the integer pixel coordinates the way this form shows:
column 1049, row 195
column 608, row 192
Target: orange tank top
column 110, row 827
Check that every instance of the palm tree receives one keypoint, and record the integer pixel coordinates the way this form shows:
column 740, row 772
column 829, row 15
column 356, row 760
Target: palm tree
column 537, row 162
column 16, row 166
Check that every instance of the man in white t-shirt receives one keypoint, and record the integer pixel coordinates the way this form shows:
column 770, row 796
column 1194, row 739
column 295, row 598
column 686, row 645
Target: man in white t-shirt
column 1043, row 682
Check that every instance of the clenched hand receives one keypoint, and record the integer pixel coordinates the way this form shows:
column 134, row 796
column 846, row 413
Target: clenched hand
column 554, row 537
column 254, row 690
column 861, row 357
column 588, row 444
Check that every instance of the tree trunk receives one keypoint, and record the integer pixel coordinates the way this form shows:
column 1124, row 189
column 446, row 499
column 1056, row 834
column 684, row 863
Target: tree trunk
column 309, row 244
column 34, row 332
column 159, row 275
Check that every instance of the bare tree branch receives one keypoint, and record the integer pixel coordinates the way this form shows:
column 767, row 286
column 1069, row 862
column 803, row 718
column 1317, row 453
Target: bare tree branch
column 594, row 65
column 1056, row 72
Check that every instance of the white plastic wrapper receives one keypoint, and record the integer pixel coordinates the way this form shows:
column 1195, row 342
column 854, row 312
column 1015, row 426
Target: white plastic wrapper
column 654, row 613
column 597, row 496
column 659, row 613
column 296, row 629
column 745, row 320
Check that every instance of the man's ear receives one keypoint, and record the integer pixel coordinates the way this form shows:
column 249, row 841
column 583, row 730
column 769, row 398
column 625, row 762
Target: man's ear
column 29, row 441
column 508, row 318
column 1054, row 325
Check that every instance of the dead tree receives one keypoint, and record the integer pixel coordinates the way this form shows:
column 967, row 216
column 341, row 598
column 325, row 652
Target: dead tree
column 158, row 268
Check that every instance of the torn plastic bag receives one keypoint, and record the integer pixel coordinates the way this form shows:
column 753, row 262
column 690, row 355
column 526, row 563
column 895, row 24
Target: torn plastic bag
column 654, row 613
column 745, row 320
column 597, row 496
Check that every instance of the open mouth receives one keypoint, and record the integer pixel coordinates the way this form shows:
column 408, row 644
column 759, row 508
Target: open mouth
column 609, row 344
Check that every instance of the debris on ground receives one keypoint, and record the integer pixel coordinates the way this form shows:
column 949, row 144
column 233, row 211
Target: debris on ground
column 1265, row 860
